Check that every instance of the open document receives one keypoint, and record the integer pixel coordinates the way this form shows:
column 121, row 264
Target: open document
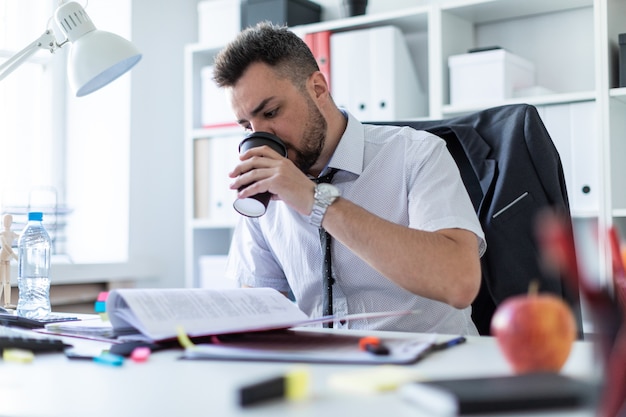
column 158, row 313
column 246, row 324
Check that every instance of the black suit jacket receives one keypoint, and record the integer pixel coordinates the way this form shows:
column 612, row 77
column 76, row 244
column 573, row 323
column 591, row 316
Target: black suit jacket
column 512, row 172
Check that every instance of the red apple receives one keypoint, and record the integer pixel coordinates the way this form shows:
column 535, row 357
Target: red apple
column 535, row 332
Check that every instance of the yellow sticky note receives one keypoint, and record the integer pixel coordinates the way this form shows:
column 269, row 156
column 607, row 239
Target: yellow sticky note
column 377, row 379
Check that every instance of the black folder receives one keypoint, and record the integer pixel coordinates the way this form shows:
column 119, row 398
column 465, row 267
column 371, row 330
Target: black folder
column 532, row 391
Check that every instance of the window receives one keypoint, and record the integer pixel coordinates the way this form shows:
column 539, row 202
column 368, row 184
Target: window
column 65, row 155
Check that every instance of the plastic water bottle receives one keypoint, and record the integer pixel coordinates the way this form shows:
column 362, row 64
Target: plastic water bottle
column 33, row 267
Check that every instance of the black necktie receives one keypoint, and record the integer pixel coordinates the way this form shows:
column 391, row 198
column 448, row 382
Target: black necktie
column 327, row 269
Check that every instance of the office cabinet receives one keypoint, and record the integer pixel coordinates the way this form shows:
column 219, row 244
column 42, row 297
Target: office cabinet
column 573, row 45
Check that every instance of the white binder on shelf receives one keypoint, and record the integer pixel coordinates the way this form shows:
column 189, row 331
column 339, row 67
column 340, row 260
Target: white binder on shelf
column 216, row 111
column 556, row 119
column 374, row 76
column 585, row 154
column 395, row 89
column 223, row 156
column 572, row 129
column 350, row 72
column 201, row 152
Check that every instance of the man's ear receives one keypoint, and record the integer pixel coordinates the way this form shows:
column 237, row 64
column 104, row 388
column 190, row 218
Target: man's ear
column 319, row 84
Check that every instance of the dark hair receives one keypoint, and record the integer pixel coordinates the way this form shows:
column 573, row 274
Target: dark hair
column 273, row 45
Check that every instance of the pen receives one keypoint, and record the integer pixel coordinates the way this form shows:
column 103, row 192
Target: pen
column 445, row 345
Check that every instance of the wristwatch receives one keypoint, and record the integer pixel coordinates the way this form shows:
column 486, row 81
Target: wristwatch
column 325, row 195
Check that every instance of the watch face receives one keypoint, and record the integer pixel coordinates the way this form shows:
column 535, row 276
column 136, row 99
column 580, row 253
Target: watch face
column 327, row 191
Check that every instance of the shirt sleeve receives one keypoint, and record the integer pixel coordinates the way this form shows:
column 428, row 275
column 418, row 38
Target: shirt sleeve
column 438, row 198
column 251, row 262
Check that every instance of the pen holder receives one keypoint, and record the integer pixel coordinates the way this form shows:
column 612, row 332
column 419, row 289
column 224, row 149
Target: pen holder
column 256, row 205
column 607, row 310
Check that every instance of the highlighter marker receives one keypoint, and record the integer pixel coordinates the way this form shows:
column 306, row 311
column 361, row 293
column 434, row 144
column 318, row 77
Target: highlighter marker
column 109, row 359
column 17, row 355
column 292, row 386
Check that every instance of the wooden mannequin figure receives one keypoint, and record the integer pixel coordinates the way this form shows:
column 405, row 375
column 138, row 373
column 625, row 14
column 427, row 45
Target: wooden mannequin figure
column 7, row 236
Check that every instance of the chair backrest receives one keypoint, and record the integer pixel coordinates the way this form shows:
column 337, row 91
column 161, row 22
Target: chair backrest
column 512, row 172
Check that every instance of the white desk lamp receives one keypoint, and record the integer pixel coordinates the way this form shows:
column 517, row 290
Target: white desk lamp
column 96, row 57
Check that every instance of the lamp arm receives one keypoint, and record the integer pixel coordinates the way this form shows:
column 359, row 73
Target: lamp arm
column 45, row 41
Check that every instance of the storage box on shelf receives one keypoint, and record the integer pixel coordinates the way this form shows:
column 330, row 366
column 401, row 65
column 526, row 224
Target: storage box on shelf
column 488, row 76
column 282, row 12
column 218, row 21
column 212, row 272
column 540, row 33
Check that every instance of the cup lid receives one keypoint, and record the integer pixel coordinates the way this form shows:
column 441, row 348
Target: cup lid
column 267, row 136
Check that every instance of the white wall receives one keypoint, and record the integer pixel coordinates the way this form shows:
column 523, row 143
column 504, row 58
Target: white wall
column 160, row 31
column 97, row 136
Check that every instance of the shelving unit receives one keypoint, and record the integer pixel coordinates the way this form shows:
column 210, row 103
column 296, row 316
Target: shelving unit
column 573, row 44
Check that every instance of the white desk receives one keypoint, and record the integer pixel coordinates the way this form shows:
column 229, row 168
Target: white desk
column 53, row 385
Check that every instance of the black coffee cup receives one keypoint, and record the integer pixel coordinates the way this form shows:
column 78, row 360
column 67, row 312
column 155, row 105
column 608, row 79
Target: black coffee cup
column 256, row 205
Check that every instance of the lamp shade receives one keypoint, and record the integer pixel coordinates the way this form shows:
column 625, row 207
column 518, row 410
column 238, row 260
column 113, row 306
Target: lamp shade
column 96, row 57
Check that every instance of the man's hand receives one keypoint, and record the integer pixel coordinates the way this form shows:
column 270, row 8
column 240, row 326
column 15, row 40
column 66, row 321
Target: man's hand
column 266, row 170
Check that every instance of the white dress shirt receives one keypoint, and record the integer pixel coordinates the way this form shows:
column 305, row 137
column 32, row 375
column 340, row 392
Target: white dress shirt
column 400, row 174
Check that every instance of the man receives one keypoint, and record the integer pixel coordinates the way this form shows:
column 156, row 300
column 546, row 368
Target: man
column 404, row 232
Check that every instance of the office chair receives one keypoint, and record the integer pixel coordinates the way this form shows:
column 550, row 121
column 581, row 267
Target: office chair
column 512, row 172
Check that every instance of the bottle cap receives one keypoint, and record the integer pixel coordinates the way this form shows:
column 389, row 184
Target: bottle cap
column 35, row 215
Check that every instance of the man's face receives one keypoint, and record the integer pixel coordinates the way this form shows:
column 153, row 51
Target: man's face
column 264, row 102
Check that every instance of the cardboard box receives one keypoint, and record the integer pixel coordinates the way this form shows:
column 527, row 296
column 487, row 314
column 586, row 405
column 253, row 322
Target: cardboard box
column 280, row 12
column 488, row 76
column 219, row 21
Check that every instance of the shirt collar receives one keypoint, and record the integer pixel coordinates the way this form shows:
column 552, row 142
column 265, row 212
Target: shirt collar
column 348, row 155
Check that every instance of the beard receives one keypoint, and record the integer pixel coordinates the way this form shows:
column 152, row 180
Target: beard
column 313, row 140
